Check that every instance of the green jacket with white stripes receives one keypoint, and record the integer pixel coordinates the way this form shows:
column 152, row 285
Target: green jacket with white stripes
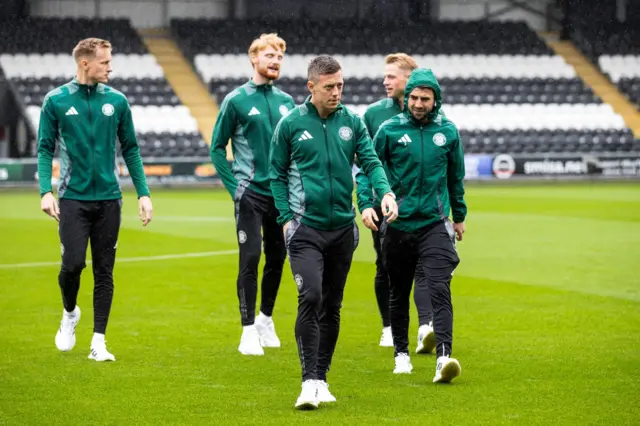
column 86, row 121
column 248, row 115
column 311, row 163
column 424, row 162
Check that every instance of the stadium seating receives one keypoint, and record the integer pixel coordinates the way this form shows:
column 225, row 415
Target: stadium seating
column 615, row 48
column 502, row 85
column 35, row 56
column 312, row 36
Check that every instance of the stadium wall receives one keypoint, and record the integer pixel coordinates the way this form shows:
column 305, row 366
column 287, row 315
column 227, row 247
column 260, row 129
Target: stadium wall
column 469, row 10
column 158, row 13
column 143, row 13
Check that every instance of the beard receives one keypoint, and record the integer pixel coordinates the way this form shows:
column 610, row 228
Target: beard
column 269, row 73
column 420, row 115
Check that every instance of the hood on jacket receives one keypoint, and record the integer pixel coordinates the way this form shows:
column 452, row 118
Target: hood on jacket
column 423, row 77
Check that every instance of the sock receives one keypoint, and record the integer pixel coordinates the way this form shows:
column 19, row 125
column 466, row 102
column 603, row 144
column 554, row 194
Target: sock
column 261, row 314
column 97, row 338
column 248, row 327
column 70, row 314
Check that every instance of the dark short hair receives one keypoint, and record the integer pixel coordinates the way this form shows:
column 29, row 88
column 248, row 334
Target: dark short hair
column 322, row 65
column 423, row 87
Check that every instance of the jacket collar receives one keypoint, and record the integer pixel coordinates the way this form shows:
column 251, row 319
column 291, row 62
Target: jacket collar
column 311, row 107
column 90, row 87
column 267, row 86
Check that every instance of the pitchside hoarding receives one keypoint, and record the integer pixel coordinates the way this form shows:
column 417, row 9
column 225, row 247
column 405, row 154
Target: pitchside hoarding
column 478, row 167
column 25, row 171
column 505, row 166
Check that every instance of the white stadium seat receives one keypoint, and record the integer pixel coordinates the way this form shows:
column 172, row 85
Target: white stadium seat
column 528, row 116
column 172, row 119
column 147, row 119
column 620, row 66
column 362, row 66
column 62, row 66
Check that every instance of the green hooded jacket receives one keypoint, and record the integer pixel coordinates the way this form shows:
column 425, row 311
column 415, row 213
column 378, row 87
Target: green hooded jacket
column 376, row 114
column 248, row 116
column 86, row 121
column 424, row 162
column 311, row 161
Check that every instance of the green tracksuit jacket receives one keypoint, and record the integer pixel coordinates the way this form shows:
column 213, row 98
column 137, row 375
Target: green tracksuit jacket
column 86, row 121
column 248, row 116
column 311, row 161
column 376, row 114
column 424, row 162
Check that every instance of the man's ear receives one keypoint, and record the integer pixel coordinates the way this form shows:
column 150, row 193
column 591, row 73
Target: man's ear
column 311, row 86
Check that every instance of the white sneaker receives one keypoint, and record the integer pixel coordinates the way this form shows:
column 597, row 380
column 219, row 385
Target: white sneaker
column 66, row 335
column 308, row 399
column 403, row 364
column 387, row 338
column 267, row 331
column 250, row 341
column 426, row 339
column 447, row 369
column 100, row 353
column 324, row 395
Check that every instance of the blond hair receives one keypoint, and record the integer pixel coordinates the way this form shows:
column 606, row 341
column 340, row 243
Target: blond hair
column 266, row 40
column 402, row 60
column 87, row 48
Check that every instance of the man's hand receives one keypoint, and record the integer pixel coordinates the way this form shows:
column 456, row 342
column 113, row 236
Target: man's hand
column 369, row 218
column 389, row 207
column 49, row 205
column 145, row 210
column 284, row 229
column 459, row 228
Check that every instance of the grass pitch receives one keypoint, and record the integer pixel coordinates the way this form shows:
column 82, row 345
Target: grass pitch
column 546, row 326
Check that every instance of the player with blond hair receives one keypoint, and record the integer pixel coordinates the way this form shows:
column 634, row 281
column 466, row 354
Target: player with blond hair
column 85, row 117
column 248, row 116
column 398, row 68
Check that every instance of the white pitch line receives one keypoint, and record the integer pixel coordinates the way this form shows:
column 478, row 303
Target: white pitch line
column 187, row 218
column 134, row 218
column 126, row 259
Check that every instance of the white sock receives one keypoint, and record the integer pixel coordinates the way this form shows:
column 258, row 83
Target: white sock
column 70, row 314
column 248, row 327
column 97, row 338
column 264, row 316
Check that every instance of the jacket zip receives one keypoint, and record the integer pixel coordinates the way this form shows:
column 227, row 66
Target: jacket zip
column 326, row 142
column 421, row 167
column 93, row 147
column 268, row 109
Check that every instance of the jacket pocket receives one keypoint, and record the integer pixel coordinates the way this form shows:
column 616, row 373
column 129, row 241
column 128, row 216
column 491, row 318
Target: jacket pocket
column 240, row 190
column 451, row 232
column 291, row 230
column 356, row 236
